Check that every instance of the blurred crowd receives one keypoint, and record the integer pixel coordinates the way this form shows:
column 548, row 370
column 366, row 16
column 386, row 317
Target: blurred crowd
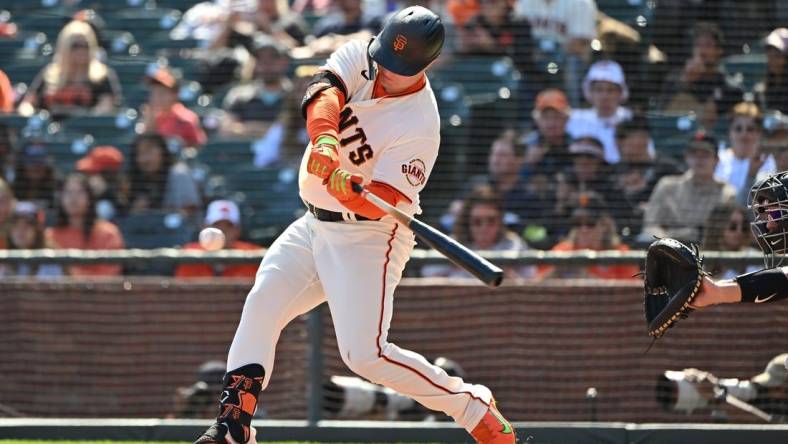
column 567, row 124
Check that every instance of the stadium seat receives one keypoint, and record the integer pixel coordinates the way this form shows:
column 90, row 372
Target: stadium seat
column 159, row 41
column 121, row 43
column 131, row 70
column 142, row 21
column 225, row 156
column 102, row 126
column 49, row 22
column 67, row 149
column 13, row 121
column 636, row 13
column 181, row 5
column 479, row 75
column 156, row 229
column 671, row 132
column 23, row 71
column 272, row 193
column 452, row 102
column 746, row 69
column 24, row 45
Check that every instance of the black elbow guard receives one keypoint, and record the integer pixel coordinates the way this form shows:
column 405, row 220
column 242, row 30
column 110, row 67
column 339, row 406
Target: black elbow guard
column 321, row 82
column 764, row 285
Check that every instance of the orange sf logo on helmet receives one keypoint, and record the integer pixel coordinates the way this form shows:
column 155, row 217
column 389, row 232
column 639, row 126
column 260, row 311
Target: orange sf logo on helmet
column 400, row 42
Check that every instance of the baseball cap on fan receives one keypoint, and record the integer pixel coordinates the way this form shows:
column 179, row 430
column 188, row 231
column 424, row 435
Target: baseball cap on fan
column 100, row 159
column 223, row 210
column 162, row 76
column 605, row 71
column 552, row 98
column 778, row 39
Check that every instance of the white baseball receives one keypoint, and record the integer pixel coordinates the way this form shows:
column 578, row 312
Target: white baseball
column 212, row 239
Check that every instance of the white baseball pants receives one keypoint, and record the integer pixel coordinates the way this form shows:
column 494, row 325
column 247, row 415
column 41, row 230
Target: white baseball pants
column 355, row 266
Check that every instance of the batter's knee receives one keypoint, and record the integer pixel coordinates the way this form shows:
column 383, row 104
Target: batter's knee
column 367, row 365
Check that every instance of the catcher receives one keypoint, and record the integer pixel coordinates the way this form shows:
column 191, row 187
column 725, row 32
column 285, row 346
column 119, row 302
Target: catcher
column 675, row 282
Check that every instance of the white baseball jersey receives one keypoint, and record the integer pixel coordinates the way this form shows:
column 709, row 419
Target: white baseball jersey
column 559, row 20
column 393, row 140
column 356, row 266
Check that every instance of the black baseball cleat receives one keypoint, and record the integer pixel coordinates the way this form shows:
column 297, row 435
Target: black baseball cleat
column 217, row 433
column 214, row 435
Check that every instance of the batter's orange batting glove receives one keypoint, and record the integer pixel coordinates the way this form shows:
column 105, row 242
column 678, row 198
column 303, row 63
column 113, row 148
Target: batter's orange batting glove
column 323, row 159
column 340, row 185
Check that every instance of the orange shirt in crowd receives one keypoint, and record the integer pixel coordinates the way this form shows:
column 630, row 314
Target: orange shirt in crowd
column 594, row 271
column 105, row 236
column 6, row 94
column 462, row 10
column 182, row 122
column 206, row 270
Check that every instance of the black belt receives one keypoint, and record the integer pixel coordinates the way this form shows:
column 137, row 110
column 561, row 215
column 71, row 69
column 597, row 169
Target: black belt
column 333, row 216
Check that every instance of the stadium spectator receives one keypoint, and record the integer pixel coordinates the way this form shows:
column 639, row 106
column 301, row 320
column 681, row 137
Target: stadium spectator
column 727, row 229
column 606, row 89
column 7, row 152
column 7, row 94
column 283, row 144
column 588, row 175
column 156, row 180
column 680, row 205
column 461, row 11
column 774, row 143
column 673, row 22
column 254, row 106
column 503, row 165
column 744, row 157
column 494, row 30
column 571, row 24
column 98, row 25
column 26, row 232
column 348, row 17
column 103, row 167
column 8, row 29
column 317, row 7
column 7, row 202
column 701, row 85
column 563, row 31
column 164, row 114
column 224, row 215
column 480, row 225
column 205, row 21
column 773, row 90
column 636, row 175
column 592, row 228
column 272, row 17
column 76, row 82
column 35, row 177
column 547, row 147
column 77, row 226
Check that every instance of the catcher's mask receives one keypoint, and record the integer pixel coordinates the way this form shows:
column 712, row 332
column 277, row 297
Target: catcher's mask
column 769, row 205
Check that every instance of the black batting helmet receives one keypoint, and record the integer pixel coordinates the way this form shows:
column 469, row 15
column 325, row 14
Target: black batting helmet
column 769, row 205
column 411, row 39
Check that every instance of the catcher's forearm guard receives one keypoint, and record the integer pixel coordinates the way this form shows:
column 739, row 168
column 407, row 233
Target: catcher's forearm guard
column 762, row 286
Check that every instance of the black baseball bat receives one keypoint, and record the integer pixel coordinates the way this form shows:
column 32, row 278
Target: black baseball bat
column 456, row 252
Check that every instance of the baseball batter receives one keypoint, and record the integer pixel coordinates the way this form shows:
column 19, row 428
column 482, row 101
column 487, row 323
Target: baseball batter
column 373, row 120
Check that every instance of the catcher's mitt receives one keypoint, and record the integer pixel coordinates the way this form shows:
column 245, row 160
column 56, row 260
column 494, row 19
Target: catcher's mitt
column 673, row 276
